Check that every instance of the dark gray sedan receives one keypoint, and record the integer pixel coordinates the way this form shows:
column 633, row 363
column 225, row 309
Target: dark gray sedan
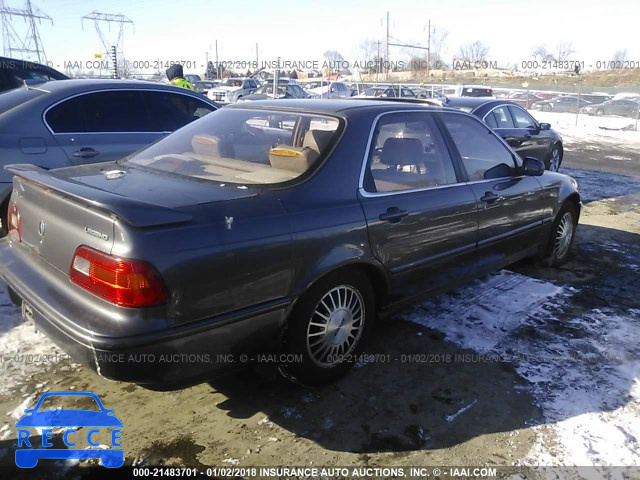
column 59, row 124
column 284, row 228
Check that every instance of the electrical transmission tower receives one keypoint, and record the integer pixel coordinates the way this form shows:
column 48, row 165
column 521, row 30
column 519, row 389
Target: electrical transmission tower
column 110, row 44
column 28, row 47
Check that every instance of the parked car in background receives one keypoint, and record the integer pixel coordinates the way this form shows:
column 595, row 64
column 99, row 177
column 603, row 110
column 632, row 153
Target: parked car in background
column 595, row 97
column 387, row 91
column 285, row 228
column 517, row 127
column 192, row 77
column 203, row 86
column 623, row 108
column 231, row 89
column 524, row 99
column 16, row 73
column 562, row 103
column 60, row 124
column 284, row 91
column 473, row 91
column 429, row 93
column 331, row 90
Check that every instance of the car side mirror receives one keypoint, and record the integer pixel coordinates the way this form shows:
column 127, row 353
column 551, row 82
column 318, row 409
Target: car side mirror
column 545, row 126
column 532, row 167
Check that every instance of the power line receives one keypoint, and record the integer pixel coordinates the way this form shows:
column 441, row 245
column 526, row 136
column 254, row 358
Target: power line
column 30, row 45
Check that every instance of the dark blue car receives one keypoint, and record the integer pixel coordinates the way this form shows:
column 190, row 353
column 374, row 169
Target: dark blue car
column 527, row 136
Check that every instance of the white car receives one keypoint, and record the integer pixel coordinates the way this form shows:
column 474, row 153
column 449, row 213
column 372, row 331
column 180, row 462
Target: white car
column 232, row 89
column 331, row 90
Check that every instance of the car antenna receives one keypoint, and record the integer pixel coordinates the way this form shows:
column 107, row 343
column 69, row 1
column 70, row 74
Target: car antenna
column 29, row 87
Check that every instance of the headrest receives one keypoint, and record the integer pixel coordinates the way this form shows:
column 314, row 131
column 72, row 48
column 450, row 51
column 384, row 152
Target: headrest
column 285, row 157
column 317, row 140
column 211, row 145
column 401, row 151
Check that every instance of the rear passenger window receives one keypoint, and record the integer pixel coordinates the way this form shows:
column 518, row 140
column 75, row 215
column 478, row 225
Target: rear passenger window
column 408, row 153
column 484, row 156
column 169, row 111
column 118, row 111
column 502, row 118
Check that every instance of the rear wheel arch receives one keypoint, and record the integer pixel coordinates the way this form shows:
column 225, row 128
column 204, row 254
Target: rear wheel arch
column 375, row 274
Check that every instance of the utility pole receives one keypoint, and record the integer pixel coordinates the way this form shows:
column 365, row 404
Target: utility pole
column 217, row 64
column 387, row 55
column 429, row 50
column 108, row 43
column 257, row 59
column 30, row 45
column 378, row 61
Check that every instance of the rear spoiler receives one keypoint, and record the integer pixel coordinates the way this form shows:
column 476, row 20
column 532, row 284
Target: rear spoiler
column 134, row 212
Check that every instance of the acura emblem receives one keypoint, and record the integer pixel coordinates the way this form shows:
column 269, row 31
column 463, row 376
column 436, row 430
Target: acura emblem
column 41, row 228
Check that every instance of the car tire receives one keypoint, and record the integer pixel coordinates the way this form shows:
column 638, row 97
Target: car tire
column 4, row 211
column 555, row 158
column 546, row 108
column 563, row 233
column 318, row 342
column 599, row 112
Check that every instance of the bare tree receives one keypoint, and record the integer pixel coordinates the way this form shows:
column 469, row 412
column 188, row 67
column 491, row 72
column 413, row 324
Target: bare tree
column 620, row 56
column 474, row 52
column 125, row 69
column 333, row 56
column 540, row 53
column 438, row 42
column 565, row 50
column 369, row 49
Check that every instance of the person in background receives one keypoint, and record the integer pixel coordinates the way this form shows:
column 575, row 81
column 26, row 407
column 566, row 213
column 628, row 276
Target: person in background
column 175, row 75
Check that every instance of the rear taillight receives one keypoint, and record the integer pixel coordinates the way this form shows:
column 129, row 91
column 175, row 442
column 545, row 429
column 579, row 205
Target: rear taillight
column 124, row 282
column 14, row 222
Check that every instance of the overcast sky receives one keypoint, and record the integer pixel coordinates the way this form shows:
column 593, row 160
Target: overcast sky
column 302, row 30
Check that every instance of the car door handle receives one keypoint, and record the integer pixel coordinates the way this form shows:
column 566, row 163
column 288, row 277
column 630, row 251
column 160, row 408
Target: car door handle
column 490, row 197
column 393, row 215
column 85, row 152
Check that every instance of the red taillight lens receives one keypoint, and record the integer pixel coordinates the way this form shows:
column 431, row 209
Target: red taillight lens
column 124, row 282
column 14, row 221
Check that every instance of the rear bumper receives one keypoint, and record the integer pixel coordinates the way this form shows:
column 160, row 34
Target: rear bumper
column 172, row 355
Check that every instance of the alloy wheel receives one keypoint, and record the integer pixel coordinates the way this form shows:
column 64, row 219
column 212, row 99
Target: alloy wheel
column 554, row 164
column 336, row 325
column 564, row 235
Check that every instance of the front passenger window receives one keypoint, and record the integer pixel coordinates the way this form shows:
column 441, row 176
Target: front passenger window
column 484, row 156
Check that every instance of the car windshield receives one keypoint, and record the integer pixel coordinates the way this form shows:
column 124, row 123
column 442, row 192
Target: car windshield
column 374, row 91
column 268, row 90
column 69, row 402
column 244, row 146
column 230, row 82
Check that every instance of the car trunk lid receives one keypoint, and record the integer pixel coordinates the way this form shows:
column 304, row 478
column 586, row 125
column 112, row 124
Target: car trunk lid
column 63, row 209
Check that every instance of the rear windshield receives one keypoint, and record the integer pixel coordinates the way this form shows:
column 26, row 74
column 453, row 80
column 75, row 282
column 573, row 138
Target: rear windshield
column 17, row 96
column 477, row 92
column 244, row 146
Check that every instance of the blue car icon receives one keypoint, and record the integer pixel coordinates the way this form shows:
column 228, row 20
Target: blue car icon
column 69, row 418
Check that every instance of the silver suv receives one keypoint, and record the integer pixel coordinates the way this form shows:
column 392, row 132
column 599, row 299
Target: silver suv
column 232, row 89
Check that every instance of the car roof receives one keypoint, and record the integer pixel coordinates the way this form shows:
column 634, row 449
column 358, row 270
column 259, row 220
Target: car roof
column 337, row 106
column 82, row 84
column 472, row 102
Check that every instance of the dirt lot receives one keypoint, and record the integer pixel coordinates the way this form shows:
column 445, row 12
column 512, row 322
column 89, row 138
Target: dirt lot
column 529, row 366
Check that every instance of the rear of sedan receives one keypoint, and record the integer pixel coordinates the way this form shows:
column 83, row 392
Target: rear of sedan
column 168, row 282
